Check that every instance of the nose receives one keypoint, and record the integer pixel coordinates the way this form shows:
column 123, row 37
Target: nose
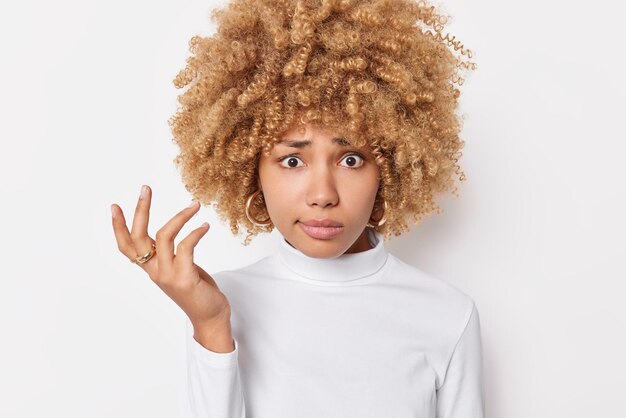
column 322, row 188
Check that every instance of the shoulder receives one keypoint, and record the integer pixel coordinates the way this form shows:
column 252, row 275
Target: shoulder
column 249, row 273
column 445, row 308
column 433, row 291
column 256, row 267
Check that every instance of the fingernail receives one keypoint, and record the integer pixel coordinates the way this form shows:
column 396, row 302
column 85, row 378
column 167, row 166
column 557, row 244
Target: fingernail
column 112, row 211
column 192, row 204
column 144, row 189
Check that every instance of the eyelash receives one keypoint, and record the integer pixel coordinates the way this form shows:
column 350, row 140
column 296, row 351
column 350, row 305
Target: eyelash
column 281, row 159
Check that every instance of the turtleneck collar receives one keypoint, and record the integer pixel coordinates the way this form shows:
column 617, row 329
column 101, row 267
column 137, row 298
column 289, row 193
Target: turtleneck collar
column 338, row 270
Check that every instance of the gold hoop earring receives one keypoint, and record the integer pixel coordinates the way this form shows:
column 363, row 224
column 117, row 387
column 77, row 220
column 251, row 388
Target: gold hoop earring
column 267, row 222
column 382, row 220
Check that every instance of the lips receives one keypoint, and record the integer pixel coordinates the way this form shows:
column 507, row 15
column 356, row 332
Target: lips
column 322, row 223
column 321, row 228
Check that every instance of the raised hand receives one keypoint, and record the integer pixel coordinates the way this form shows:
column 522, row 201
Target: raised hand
column 188, row 285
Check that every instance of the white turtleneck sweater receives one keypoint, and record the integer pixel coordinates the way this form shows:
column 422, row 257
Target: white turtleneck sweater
column 360, row 335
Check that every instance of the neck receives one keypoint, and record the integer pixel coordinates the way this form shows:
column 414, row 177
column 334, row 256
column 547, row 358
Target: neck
column 362, row 243
column 348, row 267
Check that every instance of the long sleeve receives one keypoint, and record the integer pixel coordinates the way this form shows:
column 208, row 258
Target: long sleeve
column 213, row 385
column 461, row 394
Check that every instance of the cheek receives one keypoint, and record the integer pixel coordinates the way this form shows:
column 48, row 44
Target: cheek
column 278, row 189
column 361, row 192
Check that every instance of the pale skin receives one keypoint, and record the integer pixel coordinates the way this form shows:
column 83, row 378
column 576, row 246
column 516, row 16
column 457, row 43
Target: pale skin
column 327, row 178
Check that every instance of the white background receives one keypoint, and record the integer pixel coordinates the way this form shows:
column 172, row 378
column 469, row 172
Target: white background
column 536, row 237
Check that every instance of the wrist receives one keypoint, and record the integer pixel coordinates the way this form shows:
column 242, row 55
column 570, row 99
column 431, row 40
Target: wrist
column 216, row 337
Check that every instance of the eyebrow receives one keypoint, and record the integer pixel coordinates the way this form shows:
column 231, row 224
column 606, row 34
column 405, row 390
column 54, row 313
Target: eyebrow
column 304, row 143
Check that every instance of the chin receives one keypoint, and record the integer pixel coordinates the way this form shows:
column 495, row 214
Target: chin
column 322, row 248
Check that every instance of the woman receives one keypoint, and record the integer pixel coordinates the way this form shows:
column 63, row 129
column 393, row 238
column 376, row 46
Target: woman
column 333, row 121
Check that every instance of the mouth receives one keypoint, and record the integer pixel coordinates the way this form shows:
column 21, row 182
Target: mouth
column 321, row 232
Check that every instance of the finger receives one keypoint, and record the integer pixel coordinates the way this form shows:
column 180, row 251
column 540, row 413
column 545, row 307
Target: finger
column 139, row 229
column 185, row 248
column 165, row 236
column 122, row 236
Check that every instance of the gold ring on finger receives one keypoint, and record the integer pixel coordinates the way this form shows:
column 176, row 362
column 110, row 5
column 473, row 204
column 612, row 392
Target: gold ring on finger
column 145, row 257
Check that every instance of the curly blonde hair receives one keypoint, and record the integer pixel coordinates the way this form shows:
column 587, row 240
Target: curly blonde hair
column 378, row 71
